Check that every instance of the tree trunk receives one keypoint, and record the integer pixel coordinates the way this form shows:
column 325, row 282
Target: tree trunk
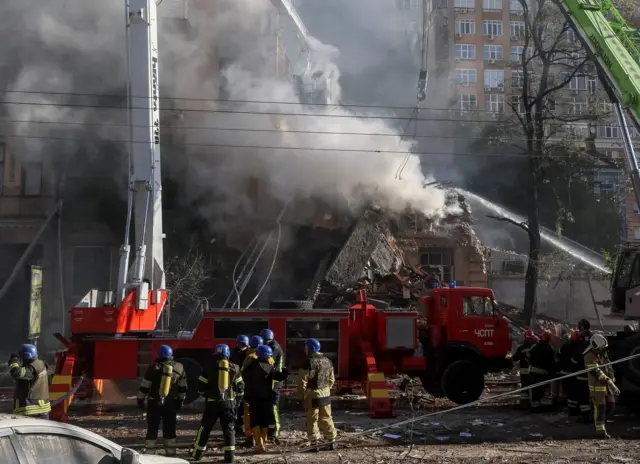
column 533, row 223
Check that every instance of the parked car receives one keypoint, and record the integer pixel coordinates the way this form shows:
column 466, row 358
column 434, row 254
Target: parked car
column 35, row 441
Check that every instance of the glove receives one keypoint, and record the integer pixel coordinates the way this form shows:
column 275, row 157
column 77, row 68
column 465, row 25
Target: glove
column 141, row 405
column 615, row 391
column 179, row 404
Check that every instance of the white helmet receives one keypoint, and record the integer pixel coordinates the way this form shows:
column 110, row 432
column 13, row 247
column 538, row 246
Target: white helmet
column 597, row 341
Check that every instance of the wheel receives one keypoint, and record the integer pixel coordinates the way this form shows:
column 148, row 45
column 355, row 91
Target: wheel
column 630, row 369
column 432, row 383
column 463, row 381
column 193, row 369
column 291, row 304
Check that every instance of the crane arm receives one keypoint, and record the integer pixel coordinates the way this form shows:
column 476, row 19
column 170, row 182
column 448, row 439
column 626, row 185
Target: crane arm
column 423, row 76
column 286, row 9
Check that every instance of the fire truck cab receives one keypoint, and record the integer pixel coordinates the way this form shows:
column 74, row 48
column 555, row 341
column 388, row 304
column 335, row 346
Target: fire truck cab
column 463, row 337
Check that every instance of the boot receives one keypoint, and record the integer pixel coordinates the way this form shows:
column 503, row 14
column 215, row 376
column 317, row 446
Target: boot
column 150, row 447
column 257, row 436
column 333, row 446
column 603, row 435
column 229, row 456
column 196, row 454
column 264, row 434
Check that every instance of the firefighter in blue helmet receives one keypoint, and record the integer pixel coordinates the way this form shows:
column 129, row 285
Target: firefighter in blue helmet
column 315, row 380
column 255, row 341
column 164, row 386
column 238, row 354
column 278, row 363
column 31, row 395
column 219, row 384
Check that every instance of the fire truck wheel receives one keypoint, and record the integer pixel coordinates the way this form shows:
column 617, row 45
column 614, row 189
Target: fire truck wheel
column 193, row 370
column 462, row 382
column 631, row 368
column 291, row 304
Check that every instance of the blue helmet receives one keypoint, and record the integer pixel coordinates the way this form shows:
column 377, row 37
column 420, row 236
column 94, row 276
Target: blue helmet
column 267, row 335
column 264, row 351
column 165, row 351
column 242, row 339
column 255, row 341
column 28, row 352
column 312, row 345
column 223, row 351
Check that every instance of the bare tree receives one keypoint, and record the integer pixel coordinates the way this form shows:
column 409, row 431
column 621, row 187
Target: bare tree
column 187, row 278
column 544, row 121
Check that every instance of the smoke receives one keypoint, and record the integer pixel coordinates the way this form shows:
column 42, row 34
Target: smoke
column 77, row 46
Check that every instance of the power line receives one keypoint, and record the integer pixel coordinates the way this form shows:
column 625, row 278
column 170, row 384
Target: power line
column 264, row 147
column 277, row 113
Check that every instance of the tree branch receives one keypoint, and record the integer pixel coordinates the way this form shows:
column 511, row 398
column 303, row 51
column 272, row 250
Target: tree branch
column 521, row 225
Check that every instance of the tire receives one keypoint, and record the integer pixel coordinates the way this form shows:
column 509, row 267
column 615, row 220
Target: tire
column 291, row 304
column 193, row 369
column 462, row 382
column 631, row 368
column 432, row 382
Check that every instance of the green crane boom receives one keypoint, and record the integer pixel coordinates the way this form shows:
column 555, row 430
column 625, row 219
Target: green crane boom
column 615, row 47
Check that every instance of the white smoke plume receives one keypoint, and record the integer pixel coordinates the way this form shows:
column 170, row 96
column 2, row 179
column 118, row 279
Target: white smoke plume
column 78, row 46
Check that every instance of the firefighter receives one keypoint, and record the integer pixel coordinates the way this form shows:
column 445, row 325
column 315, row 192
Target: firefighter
column 521, row 356
column 568, row 366
column 602, row 383
column 578, row 345
column 541, row 367
column 219, row 385
column 315, row 380
column 31, row 395
column 255, row 342
column 259, row 376
column 584, row 326
column 278, row 364
column 238, row 354
column 164, row 386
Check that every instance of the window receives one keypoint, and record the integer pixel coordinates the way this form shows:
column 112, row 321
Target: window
column 580, row 82
column 32, row 179
column 517, row 79
column 7, row 452
column 230, row 329
column 516, row 6
column 440, row 261
column 636, row 210
column 53, row 449
column 494, row 78
column 492, row 5
column 516, row 53
column 477, row 306
column 493, row 52
column 592, row 84
column 577, row 106
column 465, row 52
column 327, row 332
column 464, row 4
column 466, row 76
column 613, row 154
column 493, row 103
column 516, row 104
column 633, row 132
column 468, row 102
column 608, row 132
column 465, row 26
column 91, row 269
column 578, row 129
column 492, row 28
column 606, row 107
column 636, row 233
column 516, row 29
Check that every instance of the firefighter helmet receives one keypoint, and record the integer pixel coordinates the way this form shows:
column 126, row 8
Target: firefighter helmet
column 242, row 339
column 255, row 341
column 529, row 335
column 264, row 352
column 165, row 351
column 598, row 342
column 223, row 351
column 267, row 335
column 28, row 352
column 312, row 345
column 545, row 336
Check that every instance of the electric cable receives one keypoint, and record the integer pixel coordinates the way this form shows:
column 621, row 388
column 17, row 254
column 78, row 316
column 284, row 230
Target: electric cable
column 309, row 149
column 273, row 263
column 455, row 408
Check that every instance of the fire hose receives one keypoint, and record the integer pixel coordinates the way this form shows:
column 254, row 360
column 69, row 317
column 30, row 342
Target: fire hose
column 70, row 393
column 455, row 408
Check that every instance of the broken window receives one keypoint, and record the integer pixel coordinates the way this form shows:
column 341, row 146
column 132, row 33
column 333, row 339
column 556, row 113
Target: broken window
column 438, row 261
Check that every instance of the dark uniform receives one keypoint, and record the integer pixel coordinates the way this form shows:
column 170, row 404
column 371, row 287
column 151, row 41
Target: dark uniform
column 250, row 356
column 567, row 366
column 161, row 409
column 521, row 356
column 220, row 403
column 542, row 358
column 31, row 395
column 314, row 388
column 259, row 376
column 278, row 364
column 237, row 357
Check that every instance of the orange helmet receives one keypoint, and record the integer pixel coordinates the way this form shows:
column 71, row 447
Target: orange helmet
column 545, row 335
column 529, row 335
